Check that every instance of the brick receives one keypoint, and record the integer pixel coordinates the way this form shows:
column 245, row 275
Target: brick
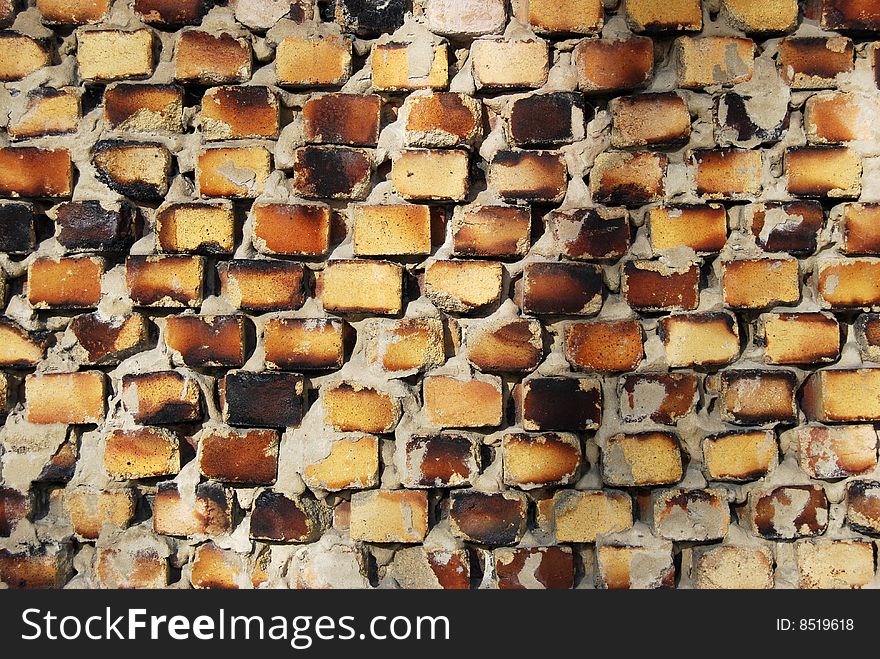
column 859, row 225
column 105, row 55
column 621, row 178
column 42, row 567
column 648, row 120
column 707, row 61
column 842, row 395
column 642, row 459
column 144, row 108
column 560, row 403
column 370, row 17
column 91, row 509
column 740, row 455
column 30, row 55
column 231, row 113
column 452, row 403
column 141, row 453
column 15, row 506
column 47, row 112
column 834, row 563
column 788, row 512
column 66, row 283
column 373, row 287
column 209, row 513
column 862, row 511
column 8, row 10
column 662, row 397
column 441, row 460
column 532, row 176
column 604, row 346
column 431, row 174
column 656, row 286
column 389, row 516
column 814, row 62
column 406, row 345
column 278, row 518
column 634, row 566
column 305, row 344
column 391, row 229
column 533, row 461
column 491, row 231
column 523, row 568
column 587, row 515
column 19, row 347
column 850, row 15
column 6, row 394
column 332, row 172
column 502, row 64
column 165, row 281
column 354, row 407
column 649, row 16
column 17, row 235
column 699, row 339
column 142, row 568
column 347, row 119
column 352, row 463
column 262, row 285
column 496, row 518
column 213, row 567
column 752, row 18
column 442, row 119
column 733, row 567
column 197, row 227
column 243, row 395
column 393, row 70
column 206, row 341
column 237, row 172
column 739, row 121
column 96, row 226
column 209, row 58
column 835, row 452
column 62, row 465
column 834, row 117
column 161, row 397
column 27, row 171
column 799, row 338
column 291, row 229
column 701, row 228
column 550, row 119
column 71, row 398
column 313, row 62
column 727, row 173
column 466, row 18
column 867, row 333
column 760, row 283
column 464, row 287
column 690, row 515
column 823, row 171
column 506, row 346
column 73, row 12
column 848, row 283
column 613, row 65
column 139, row 170
column 566, row 17
column 241, row 457
column 559, row 288
column 791, row 227
column 591, row 233
column 171, row 12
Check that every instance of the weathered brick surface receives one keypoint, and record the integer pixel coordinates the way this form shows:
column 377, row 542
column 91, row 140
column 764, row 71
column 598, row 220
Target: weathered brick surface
column 441, row 294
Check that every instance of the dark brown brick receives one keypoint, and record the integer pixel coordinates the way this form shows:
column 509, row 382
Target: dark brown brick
column 662, row 397
column 488, row 518
column 278, row 518
column 534, row 567
column 613, row 65
column 791, row 227
column 863, row 506
column 332, row 172
column 591, row 233
column 491, row 231
column 16, row 227
column 95, row 226
column 656, row 286
column 734, row 125
column 814, row 62
column 559, row 288
column 291, row 229
column 207, row 341
column 547, row 119
column 242, row 457
column 15, row 506
column 858, row 15
column 753, row 397
column 347, row 119
column 533, row 176
column 441, row 460
column 560, row 403
column 171, row 12
column 273, row 400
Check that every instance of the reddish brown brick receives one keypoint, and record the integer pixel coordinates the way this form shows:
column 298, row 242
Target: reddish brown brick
column 613, row 65
column 656, row 286
column 814, row 62
column 230, row 113
column 491, row 231
column 591, row 233
column 210, row 58
column 550, row 119
column 442, row 119
column 207, row 341
column 441, row 460
column 347, row 119
column 278, row 518
column 420, row 567
column 788, row 512
column 604, row 346
column 291, row 229
column 332, row 172
column 560, row 288
column 239, row 456
column 533, row 176
column 165, row 281
column 850, row 15
column 488, row 518
column 534, row 567
column 171, row 12
column 560, row 403
column 662, row 397
column 506, row 346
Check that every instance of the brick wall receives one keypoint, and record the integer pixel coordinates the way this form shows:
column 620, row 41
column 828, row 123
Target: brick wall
column 461, row 294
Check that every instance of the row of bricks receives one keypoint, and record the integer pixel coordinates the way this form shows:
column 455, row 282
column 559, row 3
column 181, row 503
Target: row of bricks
column 404, row 230
column 471, row 18
column 845, row 563
column 142, row 171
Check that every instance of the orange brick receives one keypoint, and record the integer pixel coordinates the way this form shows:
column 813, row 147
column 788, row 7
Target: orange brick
column 207, row 341
column 104, row 55
column 233, row 172
column 533, row 461
column 860, row 226
column 213, row 567
column 613, row 65
column 389, row 516
column 71, row 398
column 352, row 463
column 141, row 453
column 727, row 173
column 73, row 12
column 161, row 397
column 740, row 455
column 842, row 395
column 20, row 348
column 68, row 283
column 350, row 286
column 699, row 339
column 47, row 112
column 306, row 344
column 391, row 70
column 239, row 456
column 566, row 17
column 620, row 178
column 534, row 176
column 760, row 283
column 261, row 285
column 291, row 229
column 323, row 61
column 28, row 171
column 622, row 565
column 491, row 231
column 431, row 174
column 47, row 566
column 846, row 283
column 814, row 62
column 354, row 407
column 165, row 281
column 506, row 346
column 212, row 58
column 348, row 119
column 453, row 403
column 823, row 171
column 833, row 117
column 604, row 346
column 798, row 338
column 464, row 286
column 403, row 346
column 91, row 509
column 702, row 228
column 230, row 113
column 391, row 229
